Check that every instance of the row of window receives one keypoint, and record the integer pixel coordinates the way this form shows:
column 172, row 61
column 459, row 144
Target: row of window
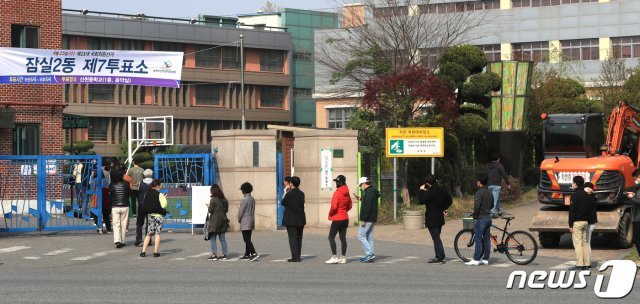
column 459, row 7
column 212, row 95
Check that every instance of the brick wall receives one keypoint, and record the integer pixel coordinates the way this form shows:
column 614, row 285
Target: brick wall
column 47, row 15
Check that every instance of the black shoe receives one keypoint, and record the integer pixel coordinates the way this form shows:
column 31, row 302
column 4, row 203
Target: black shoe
column 293, row 260
column 156, row 254
column 222, row 258
column 143, row 254
column 436, row 261
column 253, row 257
column 213, row 258
column 245, row 257
column 576, row 268
column 138, row 244
column 118, row 245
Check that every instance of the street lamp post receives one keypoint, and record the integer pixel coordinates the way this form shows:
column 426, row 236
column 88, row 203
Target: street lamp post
column 242, row 79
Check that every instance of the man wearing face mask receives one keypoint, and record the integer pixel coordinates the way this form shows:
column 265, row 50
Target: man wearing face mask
column 635, row 199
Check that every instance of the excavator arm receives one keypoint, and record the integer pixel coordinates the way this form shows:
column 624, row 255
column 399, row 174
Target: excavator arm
column 623, row 117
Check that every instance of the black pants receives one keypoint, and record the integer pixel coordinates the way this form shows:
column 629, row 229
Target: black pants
column 140, row 222
column 246, row 236
column 295, row 241
column 636, row 235
column 134, row 202
column 341, row 227
column 437, row 242
column 106, row 218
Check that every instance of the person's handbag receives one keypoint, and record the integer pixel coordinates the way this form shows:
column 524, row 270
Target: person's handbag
column 205, row 230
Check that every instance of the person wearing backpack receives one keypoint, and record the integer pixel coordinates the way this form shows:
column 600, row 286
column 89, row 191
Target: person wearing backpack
column 154, row 204
column 218, row 222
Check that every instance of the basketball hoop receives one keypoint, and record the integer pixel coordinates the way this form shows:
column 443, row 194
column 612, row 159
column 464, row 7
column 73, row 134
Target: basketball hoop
column 148, row 131
column 155, row 143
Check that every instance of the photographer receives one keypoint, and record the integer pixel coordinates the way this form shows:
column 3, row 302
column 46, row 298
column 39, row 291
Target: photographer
column 437, row 201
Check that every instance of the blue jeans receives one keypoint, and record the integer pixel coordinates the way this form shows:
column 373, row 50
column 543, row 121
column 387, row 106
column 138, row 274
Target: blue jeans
column 481, row 232
column 365, row 235
column 495, row 191
column 223, row 243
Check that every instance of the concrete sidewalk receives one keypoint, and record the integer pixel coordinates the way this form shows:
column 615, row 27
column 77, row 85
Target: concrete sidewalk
column 523, row 213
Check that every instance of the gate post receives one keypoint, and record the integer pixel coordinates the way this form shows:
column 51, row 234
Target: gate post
column 41, row 196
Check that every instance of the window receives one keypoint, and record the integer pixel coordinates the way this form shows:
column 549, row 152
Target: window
column 208, row 94
column 386, row 12
column 302, row 56
column 532, row 51
column 168, row 46
column 130, row 45
column 338, row 117
column 99, row 43
column 98, row 129
column 101, row 93
column 298, row 92
column 231, row 58
column 23, row 36
column 271, row 61
column 206, row 57
column 626, row 47
column 581, row 49
column 26, row 139
column 492, row 52
column 65, row 42
column 272, row 97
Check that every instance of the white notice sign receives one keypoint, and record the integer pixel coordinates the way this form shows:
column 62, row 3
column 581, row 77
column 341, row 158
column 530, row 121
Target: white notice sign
column 325, row 169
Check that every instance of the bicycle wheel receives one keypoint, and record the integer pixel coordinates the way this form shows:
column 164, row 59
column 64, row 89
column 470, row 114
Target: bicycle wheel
column 521, row 247
column 463, row 245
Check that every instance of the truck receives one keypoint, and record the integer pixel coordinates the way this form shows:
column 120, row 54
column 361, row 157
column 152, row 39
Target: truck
column 574, row 144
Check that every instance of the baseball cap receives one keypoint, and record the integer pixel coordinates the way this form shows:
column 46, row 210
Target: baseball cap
column 363, row 180
column 340, row 178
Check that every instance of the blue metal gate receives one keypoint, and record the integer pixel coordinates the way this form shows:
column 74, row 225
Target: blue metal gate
column 178, row 173
column 279, row 189
column 51, row 192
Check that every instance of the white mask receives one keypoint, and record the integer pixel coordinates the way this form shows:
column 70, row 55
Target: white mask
column 637, row 182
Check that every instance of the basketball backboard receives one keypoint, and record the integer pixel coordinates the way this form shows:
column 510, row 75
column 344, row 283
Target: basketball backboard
column 148, row 132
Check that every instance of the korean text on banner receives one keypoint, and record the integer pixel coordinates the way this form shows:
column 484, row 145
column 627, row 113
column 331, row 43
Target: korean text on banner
column 325, row 169
column 40, row 66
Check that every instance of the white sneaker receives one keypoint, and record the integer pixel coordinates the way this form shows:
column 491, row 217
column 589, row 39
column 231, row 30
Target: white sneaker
column 473, row 263
column 484, row 262
column 342, row 260
column 333, row 260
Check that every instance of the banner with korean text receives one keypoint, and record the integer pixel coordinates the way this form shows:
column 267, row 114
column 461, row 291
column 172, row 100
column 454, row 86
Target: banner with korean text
column 39, row 66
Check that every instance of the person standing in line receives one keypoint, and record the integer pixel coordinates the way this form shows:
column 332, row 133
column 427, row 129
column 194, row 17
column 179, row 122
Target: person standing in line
column 106, row 198
column 635, row 199
column 339, row 217
column 495, row 172
column 142, row 214
column 154, row 206
column 294, row 218
column 120, row 194
column 246, row 218
column 78, row 190
column 136, row 175
column 287, row 185
column 482, row 215
column 368, row 218
column 218, row 222
column 437, row 201
column 593, row 220
column 581, row 212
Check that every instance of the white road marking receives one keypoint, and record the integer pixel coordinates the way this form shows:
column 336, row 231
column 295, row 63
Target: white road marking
column 59, row 251
column 566, row 265
column 179, row 259
column 13, row 249
column 32, row 258
column 503, row 265
column 278, row 261
column 411, row 257
column 200, row 255
column 95, row 255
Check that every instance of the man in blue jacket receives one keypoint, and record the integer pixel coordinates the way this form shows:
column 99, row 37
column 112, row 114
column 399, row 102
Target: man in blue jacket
column 368, row 218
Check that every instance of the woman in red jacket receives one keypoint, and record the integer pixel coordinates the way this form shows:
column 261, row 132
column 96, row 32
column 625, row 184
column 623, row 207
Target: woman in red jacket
column 339, row 217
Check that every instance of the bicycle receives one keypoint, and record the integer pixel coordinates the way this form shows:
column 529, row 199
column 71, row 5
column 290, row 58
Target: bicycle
column 519, row 246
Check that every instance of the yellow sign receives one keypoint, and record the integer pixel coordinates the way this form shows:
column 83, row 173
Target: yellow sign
column 414, row 142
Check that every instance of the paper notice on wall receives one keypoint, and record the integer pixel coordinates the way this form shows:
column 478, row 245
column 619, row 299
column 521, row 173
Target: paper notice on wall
column 325, row 169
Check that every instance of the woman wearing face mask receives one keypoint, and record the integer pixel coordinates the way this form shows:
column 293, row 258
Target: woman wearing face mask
column 339, row 217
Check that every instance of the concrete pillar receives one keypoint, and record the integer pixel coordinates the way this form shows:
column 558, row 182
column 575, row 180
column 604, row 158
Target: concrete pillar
column 555, row 51
column 605, row 48
column 308, row 145
column 506, row 51
column 235, row 158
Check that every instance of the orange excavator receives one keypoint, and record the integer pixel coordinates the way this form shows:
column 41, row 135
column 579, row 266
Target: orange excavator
column 573, row 145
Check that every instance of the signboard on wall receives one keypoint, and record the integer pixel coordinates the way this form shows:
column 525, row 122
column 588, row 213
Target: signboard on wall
column 40, row 66
column 414, row 142
column 200, row 197
column 326, row 156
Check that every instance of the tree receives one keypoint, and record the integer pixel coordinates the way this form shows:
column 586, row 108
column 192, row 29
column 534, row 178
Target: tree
column 80, row 147
column 399, row 34
column 270, row 7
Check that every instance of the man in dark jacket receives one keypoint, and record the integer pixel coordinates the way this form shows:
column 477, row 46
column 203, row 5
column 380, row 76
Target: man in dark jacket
column 142, row 215
column 368, row 218
column 635, row 199
column 581, row 212
column 437, row 201
column 482, row 214
column 294, row 218
column 495, row 172
column 120, row 192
